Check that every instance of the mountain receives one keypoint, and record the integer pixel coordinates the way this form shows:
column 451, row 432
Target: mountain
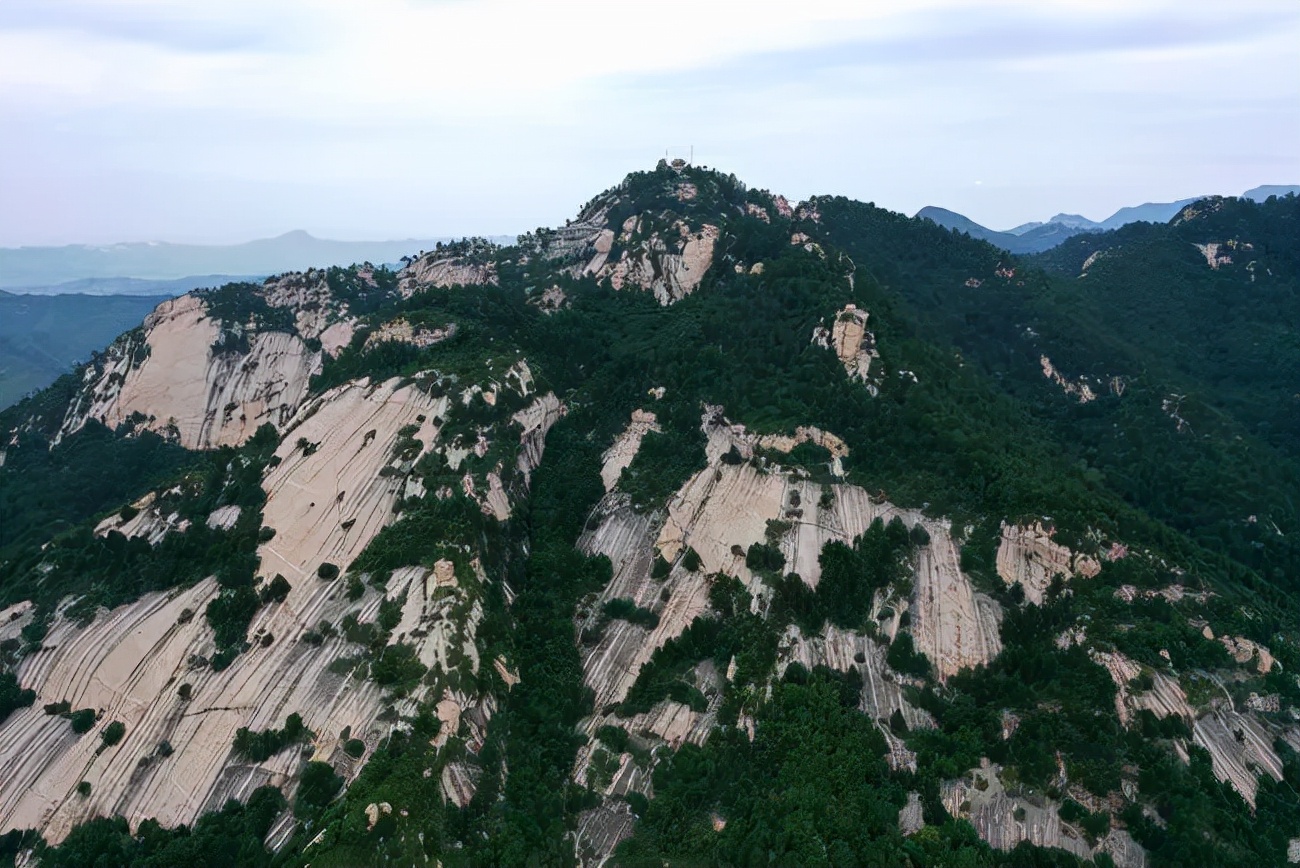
column 1037, row 237
column 1259, row 194
column 1151, row 212
column 43, row 337
column 707, row 528
column 50, row 266
column 1075, row 221
column 100, row 286
column 1031, row 239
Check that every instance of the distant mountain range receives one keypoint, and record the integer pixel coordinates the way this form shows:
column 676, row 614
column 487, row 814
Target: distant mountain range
column 1036, row 237
column 100, row 270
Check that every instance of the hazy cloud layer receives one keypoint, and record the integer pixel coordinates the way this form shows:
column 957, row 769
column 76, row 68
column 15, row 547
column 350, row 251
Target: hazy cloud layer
column 388, row 118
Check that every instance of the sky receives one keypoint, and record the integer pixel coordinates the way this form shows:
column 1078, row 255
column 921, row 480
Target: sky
column 219, row 122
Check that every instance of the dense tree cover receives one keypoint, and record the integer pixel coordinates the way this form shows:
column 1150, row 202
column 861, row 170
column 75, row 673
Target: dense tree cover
column 111, row 569
column 811, row 789
column 1216, row 342
column 47, row 491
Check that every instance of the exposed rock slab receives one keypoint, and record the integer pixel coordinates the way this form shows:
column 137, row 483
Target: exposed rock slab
column 183, row 389
column 1027, row 556
column 439, row 269
column 129, row 663
column 670, row 264
column 625, row 446
column 1004, row 820
column 854, row 346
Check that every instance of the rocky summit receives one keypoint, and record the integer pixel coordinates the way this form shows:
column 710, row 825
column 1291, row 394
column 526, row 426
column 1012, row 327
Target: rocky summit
column 709, row 528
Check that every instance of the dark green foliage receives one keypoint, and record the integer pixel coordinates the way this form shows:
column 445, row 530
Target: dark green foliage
column 230, row 614
column 850, row 576
column 613, row 737
column 813, row 784
column 13, row 696
column 398, row 668
column 904, row 658
column 623, row 608
column 110, row 570
column 327, row 571
column 393, row 773
column 763, row 558
column 46, row 491
column 277, row 591
column 83, row 720
column 316, row 788
column 231, row 836
column 261, row 746
column 665, row 460
column 83, row 789
column 113, row 733
column 963, row 424
column 239, row 306
column 354, row 747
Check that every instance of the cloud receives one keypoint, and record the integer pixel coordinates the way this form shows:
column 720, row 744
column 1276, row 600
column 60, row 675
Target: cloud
column 435, row 117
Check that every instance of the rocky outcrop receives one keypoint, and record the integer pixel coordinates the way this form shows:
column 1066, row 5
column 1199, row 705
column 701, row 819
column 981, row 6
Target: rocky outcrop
column 845, row 651
column 1244, row 650
column 402, row 331
column 1004, row 820
column 153, row 520
column 1240, row 745
column 952, row 624
column 173, row 379
column 316, row 312
column 464, row 264
column 853, row 344
column 534, row 422
column 670, row 264
column 625, row 446
column 1079, row 388
column 1241, row 749
column 1027, row 556
column 550, row 300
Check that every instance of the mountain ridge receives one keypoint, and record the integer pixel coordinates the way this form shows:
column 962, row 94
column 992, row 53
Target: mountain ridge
column 1036, row 237
column 643, row 537
column 52, row 266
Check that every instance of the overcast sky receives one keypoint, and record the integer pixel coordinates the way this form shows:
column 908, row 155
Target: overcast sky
column 228, row 120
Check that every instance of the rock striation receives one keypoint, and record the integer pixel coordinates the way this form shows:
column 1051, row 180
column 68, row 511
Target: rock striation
column 331, row 488
column 172, row 377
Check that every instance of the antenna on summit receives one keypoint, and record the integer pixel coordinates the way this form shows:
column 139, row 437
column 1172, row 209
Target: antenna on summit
column 677, row 152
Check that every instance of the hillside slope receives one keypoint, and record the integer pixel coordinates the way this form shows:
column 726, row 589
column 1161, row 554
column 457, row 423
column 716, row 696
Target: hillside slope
column 707, row 528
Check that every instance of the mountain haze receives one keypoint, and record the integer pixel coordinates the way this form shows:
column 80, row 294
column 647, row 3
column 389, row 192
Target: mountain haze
column 708, row 528
column 43, row 267
column 1036, row 237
